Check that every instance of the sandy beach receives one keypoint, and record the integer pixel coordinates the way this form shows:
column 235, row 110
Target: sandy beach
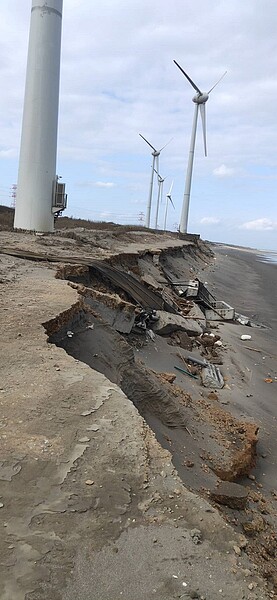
column 242, row 280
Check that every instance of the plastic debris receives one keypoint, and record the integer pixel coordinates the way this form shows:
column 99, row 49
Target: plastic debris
column 268, row 380
column 197, row 361
column 186, row 372
column 218, row 343
column 145, row 318
column 245, row 337
column 70, row 334
column 242, row 319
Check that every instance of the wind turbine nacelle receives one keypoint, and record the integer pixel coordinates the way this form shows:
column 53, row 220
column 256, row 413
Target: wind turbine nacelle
column 200, row 98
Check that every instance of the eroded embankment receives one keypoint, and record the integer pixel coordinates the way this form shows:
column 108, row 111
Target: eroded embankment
column 205, row 441
column 193, row 430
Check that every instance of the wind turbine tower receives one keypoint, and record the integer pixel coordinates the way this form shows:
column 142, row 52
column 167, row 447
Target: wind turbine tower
column 37, row 181
column 200, row 100
column 155, row 162
column 160, row 196
column 168, row 199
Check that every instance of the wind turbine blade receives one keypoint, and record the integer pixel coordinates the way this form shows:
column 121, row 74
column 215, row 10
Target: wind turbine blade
column 158, row 167
column 188, row 78
column 217, row 83
column 171, row 202
column 203, row 117
column 148, row 142
column 170, row 189
column 166, row 145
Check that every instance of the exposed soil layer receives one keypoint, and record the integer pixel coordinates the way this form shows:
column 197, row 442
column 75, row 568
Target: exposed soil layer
column 181, row 424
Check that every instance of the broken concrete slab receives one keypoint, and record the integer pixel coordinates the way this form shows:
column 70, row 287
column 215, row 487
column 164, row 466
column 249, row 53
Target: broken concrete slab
column 197, row 314
column 168, row 323
column 115, row 311
column 230, row 494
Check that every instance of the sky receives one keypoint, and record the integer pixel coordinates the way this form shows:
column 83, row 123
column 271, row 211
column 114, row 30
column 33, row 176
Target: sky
column 118, row 79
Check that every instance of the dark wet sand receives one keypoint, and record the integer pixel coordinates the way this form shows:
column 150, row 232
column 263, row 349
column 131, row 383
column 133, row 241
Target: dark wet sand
column 239, row 278
column 249, row 284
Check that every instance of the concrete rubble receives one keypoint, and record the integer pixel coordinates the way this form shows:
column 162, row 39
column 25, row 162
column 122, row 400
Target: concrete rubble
column 169, row 323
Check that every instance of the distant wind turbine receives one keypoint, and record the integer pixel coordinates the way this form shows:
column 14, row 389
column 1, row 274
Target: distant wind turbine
column 168, row 199
column 200, row 100
column 160, row 196
column 155, row 163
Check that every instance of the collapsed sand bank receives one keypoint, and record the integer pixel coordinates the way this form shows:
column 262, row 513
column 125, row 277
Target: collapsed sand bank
column 134, row 504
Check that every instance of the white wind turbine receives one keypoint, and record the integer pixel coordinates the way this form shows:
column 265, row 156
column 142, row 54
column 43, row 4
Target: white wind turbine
column 200, row 100
column 155, row 163
column 160, row 196
column 168, row 199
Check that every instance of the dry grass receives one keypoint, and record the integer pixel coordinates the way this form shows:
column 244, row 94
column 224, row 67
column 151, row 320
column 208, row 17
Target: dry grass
column 7, row 217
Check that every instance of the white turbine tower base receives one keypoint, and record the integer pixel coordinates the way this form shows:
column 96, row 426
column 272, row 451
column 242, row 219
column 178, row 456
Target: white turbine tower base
column 37, row 163
column 200, row 100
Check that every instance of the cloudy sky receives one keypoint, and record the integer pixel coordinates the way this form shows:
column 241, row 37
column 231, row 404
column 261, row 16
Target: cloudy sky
column 118, row 79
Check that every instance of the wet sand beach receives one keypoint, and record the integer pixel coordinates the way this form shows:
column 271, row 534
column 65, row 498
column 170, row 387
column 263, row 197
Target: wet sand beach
column 240, row 278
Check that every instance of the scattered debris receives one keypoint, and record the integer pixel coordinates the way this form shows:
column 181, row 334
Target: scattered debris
column 186, row 372
column 168, row 323
column 245, row 337
column 253, row 349
column 145, row 319
column 197, row 361
column 230, row 494
column 242, row 319
column 196, row 536
column 89, row 482
column 212, row 377
column 268, row 380
column 189, row 464
column 169, row 377
column 212, row 396
column 83, row 440
column 150, row 333
column 219, row 310
column 70, row 334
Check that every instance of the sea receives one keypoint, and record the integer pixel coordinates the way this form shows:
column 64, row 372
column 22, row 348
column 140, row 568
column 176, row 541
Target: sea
column 268, row 257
